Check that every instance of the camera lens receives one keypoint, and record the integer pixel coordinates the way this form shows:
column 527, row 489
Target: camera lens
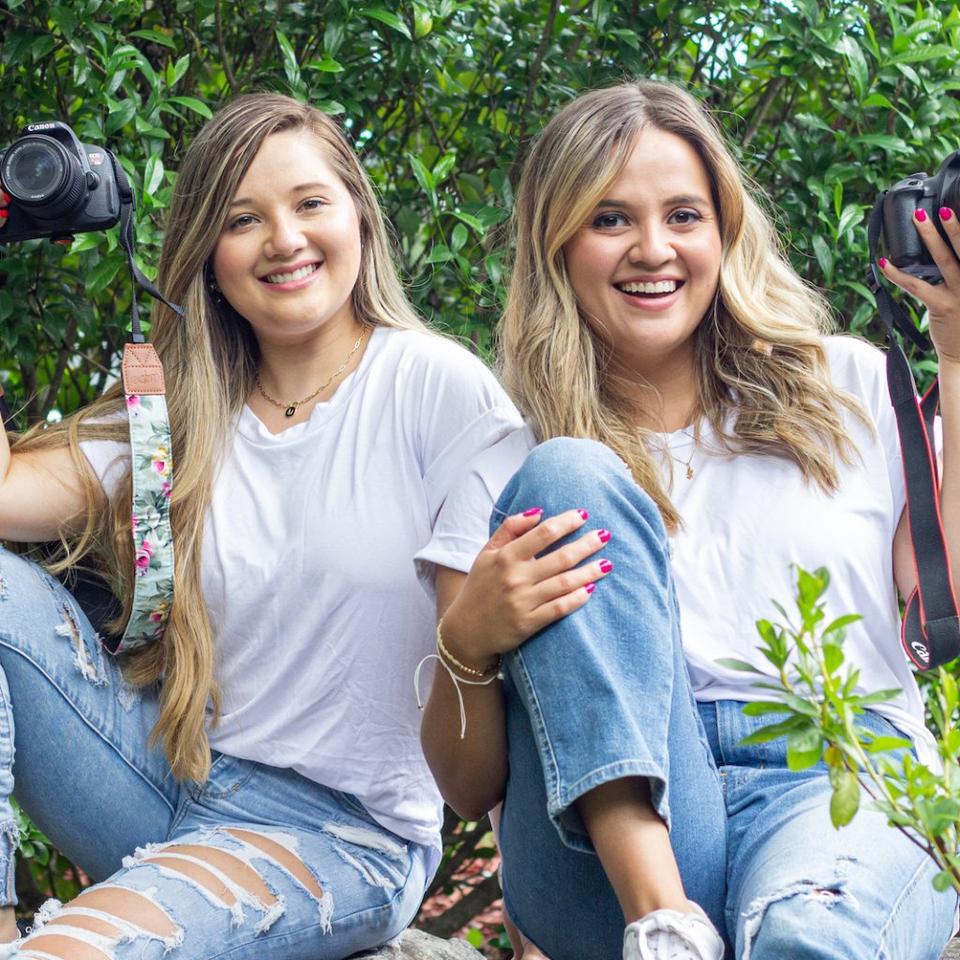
column 40, row 174
column 36, row 170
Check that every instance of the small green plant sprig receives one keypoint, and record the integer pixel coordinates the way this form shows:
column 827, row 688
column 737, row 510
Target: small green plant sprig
column 815, row 691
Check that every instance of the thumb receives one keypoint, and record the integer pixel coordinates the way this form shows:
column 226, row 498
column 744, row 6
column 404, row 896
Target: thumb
column 516, row 525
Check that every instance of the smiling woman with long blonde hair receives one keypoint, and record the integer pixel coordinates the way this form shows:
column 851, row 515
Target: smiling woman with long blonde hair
column 681, row 388
column 253, row 783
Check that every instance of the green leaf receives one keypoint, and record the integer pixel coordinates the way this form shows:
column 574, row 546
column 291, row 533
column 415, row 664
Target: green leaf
column 101, row 276
column 423, row 175
column 845, row 800
column 442, row 168
column 804, row 748
column 856, row 62
column 327, row 65
column 192, row 103
column 177, row 71
column 458, row 238
column 731, row 663
column 121, row 113
column 832, row 657
column 943, row 881
column 824, row 255
column 291, row 64
column 154, row 36
column 152, row 174
column 761, row 708
column 774, row 731
column 422, row 20
column 884, row 744
column 440, row 253
column 390, row 19
column 475, row 223
column 878, row 100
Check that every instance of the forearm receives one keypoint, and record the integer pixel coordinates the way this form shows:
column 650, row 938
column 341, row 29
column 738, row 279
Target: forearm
column 950, row 480
column 470, row 772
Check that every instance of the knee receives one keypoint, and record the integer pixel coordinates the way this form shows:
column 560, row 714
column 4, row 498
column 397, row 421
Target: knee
column 806, row 919
column 568, row 473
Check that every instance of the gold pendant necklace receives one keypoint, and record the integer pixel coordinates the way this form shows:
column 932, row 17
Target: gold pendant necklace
column 688, row 463
column 289, row 409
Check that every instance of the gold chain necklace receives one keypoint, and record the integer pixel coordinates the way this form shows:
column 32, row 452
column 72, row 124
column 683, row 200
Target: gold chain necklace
column 688, row 463
column 289, row 409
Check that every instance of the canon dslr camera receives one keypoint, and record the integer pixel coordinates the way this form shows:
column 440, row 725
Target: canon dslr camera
column 58, row 185
column 918, row 191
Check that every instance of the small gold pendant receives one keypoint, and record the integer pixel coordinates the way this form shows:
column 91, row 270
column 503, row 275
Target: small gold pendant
column 291, row 410
column 689, row 472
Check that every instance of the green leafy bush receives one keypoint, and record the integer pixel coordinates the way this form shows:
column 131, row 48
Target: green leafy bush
column 826, row 101
column 815, row 694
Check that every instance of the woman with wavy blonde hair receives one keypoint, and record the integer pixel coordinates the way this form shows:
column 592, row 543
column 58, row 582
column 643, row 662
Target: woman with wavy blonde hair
column 680, row 386
column 253, row 783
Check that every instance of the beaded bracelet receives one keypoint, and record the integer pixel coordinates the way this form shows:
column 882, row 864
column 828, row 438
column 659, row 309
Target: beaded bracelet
column 446, row 655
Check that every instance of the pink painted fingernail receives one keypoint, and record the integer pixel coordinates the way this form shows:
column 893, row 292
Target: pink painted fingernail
column 532, row 512
column 4, row 214
column 945, row 213
column 6, row 196
column 584, row 515
column 589, row 587
column 606, row 566
column 883, row 263
column 604, row 535
column 920, row 214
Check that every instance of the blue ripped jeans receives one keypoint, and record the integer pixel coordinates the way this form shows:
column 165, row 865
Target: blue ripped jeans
column 603, row 694
column 257, row 862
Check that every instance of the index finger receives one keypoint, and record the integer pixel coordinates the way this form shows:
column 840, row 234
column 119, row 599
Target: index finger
column 943, row 256
column 547, row 533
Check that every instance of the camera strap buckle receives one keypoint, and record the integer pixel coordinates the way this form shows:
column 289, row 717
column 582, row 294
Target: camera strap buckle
column 151, row 469
column 930, row 631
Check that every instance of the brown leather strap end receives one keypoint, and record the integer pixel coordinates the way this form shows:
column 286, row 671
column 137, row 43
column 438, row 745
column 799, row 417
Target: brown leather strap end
column 142, row 370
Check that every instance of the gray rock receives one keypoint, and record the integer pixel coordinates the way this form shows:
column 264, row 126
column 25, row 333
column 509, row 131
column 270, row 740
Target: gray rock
column 417, row 945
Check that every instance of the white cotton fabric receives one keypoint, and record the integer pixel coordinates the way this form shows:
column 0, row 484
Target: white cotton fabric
column 746, row 519
column 318, row 618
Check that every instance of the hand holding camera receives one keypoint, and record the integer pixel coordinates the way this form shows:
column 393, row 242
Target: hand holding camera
column 921, row 234
column 55, row 186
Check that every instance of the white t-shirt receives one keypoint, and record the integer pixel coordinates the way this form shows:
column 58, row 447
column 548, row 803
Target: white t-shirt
column 745, row 520
column 318, row 619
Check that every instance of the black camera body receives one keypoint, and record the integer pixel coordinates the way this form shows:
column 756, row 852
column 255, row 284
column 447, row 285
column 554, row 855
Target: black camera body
column 918, row 191
column 58, row 186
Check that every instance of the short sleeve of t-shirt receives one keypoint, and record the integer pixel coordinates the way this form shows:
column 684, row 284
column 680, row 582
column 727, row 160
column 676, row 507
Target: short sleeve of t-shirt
column 462, row 527
column 461, row 410
column 862, row 368
column 109, row 461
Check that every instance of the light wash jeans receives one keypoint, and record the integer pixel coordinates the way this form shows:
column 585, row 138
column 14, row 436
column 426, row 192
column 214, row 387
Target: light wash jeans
column 257, row 862
column 603, row 694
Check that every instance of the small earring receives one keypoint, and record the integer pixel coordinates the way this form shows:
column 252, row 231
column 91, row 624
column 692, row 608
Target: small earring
column 214, row 289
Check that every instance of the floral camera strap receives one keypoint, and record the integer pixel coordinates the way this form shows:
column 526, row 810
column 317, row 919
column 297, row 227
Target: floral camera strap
column 152, row 476
column 151, row 459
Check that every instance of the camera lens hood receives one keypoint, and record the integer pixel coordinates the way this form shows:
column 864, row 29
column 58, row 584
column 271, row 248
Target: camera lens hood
column 42, row 175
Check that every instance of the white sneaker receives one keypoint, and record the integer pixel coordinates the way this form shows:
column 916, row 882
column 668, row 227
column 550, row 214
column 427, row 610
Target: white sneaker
column 671, row 935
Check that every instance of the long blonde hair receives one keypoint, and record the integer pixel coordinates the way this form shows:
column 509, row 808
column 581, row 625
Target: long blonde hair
column 210, row 359
column 759, row 352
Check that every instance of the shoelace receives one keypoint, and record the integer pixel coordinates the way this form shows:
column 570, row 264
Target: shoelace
column 670, row 940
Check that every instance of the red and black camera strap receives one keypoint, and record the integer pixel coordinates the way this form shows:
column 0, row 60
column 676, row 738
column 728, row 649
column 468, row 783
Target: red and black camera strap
column 930, row 632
